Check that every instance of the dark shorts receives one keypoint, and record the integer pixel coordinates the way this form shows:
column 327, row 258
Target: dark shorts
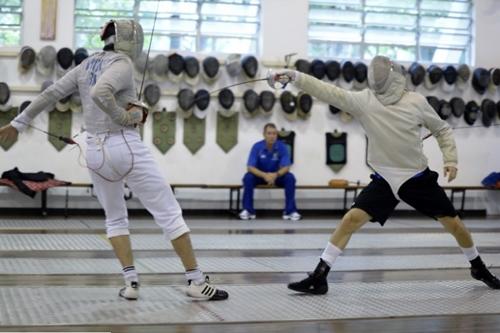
column 422, row 192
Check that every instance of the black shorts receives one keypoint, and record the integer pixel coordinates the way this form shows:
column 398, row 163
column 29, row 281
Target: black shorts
column 422, row 192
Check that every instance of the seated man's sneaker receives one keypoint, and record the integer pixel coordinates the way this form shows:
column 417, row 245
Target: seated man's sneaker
column 206, row 291
column 246, row 215
column 316, row 283
column 483, row 274
column 295, row 216
column 131, row 291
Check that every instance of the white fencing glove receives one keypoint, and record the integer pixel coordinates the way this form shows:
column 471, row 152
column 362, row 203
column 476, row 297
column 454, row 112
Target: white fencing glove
column 137, row 113
column 282, row 77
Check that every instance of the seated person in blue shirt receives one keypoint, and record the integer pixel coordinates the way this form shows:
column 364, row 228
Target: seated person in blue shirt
column 269, row 163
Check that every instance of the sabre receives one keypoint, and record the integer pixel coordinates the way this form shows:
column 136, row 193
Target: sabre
column 149, row 49
column 226, row 87
column 69, row 141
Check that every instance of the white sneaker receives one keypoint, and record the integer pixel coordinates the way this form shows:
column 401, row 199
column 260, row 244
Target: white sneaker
column 131, row 291
column 295, row 216
column 245, row 215
column 206, row 291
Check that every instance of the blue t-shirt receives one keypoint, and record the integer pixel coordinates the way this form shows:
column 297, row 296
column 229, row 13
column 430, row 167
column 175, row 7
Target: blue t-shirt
column 269, row 161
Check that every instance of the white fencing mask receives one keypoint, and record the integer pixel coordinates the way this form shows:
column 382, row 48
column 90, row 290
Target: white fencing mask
column 386, row 79
column 128, row 37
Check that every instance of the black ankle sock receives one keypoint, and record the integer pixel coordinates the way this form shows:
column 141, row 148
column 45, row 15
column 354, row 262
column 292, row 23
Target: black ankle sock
column 322, row 269
column 477, row 262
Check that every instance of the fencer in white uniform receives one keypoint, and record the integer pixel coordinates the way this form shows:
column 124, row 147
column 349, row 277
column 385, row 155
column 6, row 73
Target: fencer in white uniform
column 115, row 153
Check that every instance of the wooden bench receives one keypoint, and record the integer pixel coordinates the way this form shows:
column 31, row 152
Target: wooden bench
column 355, row 188
column 234, row 189
column 43, row 197
column 347, row 189
column 235, row 193
column 462, row 190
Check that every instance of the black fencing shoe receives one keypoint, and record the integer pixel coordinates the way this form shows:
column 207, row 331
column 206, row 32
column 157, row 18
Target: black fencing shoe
column 482, row 273
column 315, row 283
column 206, row 291
column 131, row 291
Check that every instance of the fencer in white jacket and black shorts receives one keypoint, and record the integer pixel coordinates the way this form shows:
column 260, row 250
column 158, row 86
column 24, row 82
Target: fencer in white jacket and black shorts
column 393, row 119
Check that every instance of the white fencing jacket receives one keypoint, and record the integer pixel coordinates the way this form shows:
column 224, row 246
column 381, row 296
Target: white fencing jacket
column 106, row 85
column 394, row 130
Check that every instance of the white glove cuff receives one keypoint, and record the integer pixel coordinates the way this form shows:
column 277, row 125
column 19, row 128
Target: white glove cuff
column 18, row 125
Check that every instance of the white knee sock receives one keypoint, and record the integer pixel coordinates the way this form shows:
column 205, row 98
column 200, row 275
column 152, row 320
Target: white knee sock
column 470, row 253
column 330, row 253
column 195, row 275
column 130, row 274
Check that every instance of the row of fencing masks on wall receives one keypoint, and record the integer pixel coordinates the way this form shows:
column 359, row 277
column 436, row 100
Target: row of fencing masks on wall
column 49, row 59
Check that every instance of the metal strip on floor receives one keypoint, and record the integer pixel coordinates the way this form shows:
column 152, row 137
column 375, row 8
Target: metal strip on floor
column 314, row 241
column 41, row 224
column 247, row 303
column 50, row 242
column 173, row 265
column 230, row 224
column 42, row 242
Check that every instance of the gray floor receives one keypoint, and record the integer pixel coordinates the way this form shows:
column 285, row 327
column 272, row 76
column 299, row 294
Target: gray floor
column 60, row 275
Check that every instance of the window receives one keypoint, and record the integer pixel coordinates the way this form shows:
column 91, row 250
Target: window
column 406, row 30
column 227, row 26
column 10, row 22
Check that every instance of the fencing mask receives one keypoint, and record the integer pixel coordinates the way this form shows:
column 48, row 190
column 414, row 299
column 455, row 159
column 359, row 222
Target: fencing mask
column 27, row 57
column 128, row 37
column 386, row 79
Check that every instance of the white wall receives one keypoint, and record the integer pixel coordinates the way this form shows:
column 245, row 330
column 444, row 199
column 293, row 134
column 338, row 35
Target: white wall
column 284, row 30
column 487, row 22
column 64, row 25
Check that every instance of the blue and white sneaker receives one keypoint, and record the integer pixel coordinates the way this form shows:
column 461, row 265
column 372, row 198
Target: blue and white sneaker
column 246, row 215
column 295, row 216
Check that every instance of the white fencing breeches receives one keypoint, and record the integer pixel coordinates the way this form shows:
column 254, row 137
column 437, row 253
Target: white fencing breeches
column 112, row 155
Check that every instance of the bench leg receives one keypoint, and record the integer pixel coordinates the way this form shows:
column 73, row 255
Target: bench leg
column 462, row 206
column 238, row 200
column 345, row 200
column 230, row 200
column 462, row 201
column 66, row 201
column 354, row 196
column 232, row 209
column 44, row 203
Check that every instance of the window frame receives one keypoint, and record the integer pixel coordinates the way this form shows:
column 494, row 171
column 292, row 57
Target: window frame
column 198, row 19
column 18, row 27
column 417, row 29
